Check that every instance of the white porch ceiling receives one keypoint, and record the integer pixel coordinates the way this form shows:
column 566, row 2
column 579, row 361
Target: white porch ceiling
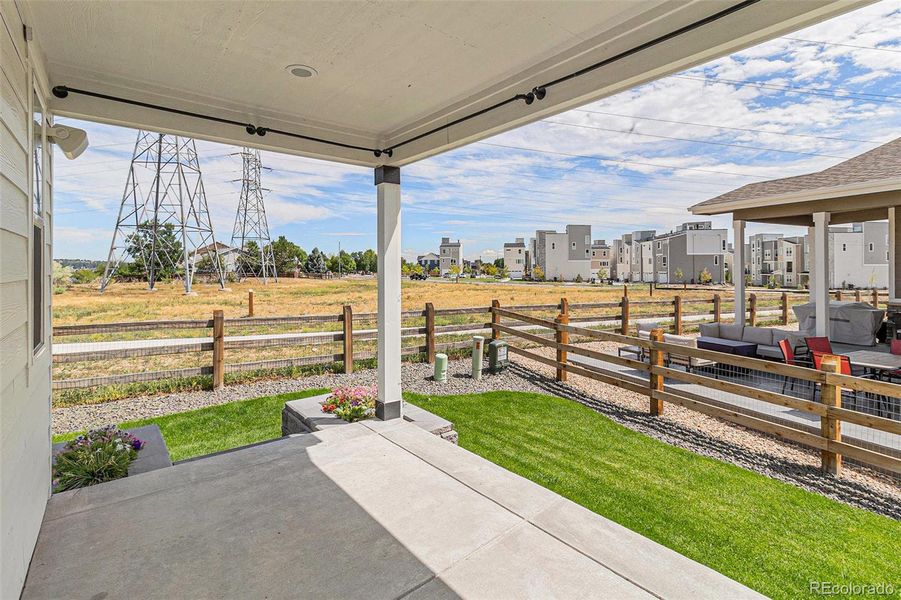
column 388, row 71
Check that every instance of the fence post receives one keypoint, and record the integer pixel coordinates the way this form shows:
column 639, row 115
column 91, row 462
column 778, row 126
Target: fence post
column 656, row 381
column 249, row 303
column 348, row 318
column 875, row 298
column 784, row 308
column 677, row 314
column 624, row 314
column 838, row 295
column 495, row 320
column 831, row 428
column 717, row 302
column 218, row 349
column 651, row 289
column 562, row 337
column 430, row 332
column 857, row 295
column 752, row 310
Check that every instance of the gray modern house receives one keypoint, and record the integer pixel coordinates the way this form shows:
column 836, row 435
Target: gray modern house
column 690, row 253
column 564, row 256
column 450, row 255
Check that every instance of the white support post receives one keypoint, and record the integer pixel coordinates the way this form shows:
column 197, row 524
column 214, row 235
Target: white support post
column 894, row 255
column 738, row 268
column 387, row 182
column 820, row 272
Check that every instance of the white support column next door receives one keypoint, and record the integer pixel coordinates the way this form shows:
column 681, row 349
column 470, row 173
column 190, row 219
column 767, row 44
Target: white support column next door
column 738, row 268
column 820, row 272
column 894, row 255
column 387, row 182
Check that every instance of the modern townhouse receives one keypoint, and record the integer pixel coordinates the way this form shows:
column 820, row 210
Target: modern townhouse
column 450, row 254
column 601, row 260
column 858, row 255
column 641, row 259
column 688, row 254
column 764, row 257
column 622, row 258
column 428, row 261
column 516, row 258
column 791, row 269
column 564, row 256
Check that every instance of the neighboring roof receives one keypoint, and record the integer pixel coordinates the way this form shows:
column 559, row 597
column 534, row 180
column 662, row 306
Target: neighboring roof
column 428, row 256
column 514, row 244
column 882, row 164
column 220, row 247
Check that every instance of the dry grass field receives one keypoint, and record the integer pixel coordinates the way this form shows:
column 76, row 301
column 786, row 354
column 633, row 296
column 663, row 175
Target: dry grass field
column 82, row 304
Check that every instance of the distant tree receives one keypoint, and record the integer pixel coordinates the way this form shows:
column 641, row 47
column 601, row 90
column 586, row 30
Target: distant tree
column 316, row 262
column 249, row 260
column 503, row 273
column 771, row 282
column 704, row 277
column 61, row 276
column 538, row 273
column 416, row 269
column 369, row 261
column 467, row 269
column 405, row 268
column 499, row 263
column 578, row 278
column 341, row 263
column 168, row 247
column 489, row 269
column 434, row 272
column 603, row 274
column 455, row 271
column 679, row 275
column 728, row 276
column 287, row 255
column 84, row 276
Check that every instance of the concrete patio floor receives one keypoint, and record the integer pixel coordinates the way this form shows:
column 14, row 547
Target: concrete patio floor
column 368, row 510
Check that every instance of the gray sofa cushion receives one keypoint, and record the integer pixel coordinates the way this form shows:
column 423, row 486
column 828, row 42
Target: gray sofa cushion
column 779, row 335
column 769, row 352
column 758, row 335
column 731, row 332
column 710, row 329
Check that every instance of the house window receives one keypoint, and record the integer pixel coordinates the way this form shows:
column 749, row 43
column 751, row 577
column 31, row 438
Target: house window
column 716, row 259
column 844, row 247
column 663, row 260
column 573, row 245
column 871, row 247
column 724, row 244
column 658, row 245
column 553, row 246
column 37, row 248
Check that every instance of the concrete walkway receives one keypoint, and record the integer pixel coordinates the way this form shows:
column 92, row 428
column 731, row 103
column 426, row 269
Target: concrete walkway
column 369, row 510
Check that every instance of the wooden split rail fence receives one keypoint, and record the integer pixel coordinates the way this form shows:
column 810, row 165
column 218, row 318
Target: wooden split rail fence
column 506, row 321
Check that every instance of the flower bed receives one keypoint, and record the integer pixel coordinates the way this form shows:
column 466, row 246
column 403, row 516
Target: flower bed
column 99, row 455
column 351, row 403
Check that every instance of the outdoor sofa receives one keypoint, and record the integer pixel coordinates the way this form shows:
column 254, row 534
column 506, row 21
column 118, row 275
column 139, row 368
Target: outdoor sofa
column 767, row 339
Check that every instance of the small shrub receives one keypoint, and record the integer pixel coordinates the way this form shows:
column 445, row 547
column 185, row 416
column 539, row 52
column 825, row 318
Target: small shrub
column 578, row 278
column 704, row 277
column 95, row 457
column 351, row 403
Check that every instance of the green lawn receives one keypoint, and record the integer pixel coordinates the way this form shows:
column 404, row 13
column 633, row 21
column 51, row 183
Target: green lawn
column 771, row 536
column 222, row 427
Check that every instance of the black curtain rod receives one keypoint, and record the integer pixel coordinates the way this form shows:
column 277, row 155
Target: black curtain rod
column 537, row 93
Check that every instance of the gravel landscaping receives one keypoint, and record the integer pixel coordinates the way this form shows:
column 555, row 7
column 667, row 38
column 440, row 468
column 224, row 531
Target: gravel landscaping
column 679, row 426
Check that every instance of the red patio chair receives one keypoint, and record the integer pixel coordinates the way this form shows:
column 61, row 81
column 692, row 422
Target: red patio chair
column 896, row 346
column 819, row 344
column 847, row 394
column 788, row 356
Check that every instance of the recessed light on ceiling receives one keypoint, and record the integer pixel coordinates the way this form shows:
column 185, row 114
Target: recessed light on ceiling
column 301, row 71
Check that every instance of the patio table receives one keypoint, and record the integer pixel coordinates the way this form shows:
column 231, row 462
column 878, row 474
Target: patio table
column 727, row 346
column 877, row 361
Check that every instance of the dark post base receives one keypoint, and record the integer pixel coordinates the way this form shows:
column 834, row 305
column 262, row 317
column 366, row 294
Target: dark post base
column 387, row 410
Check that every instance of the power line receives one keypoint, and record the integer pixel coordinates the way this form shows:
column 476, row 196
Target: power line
column 713, row 142
column 846, row 95
column 749, row 129
column 844, row 45
column 619, row 160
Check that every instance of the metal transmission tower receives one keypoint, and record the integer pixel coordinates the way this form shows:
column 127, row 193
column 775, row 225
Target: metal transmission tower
column 164, row 224
column 251, row 232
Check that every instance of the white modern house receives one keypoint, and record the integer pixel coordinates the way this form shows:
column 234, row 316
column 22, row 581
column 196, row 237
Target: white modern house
column 377, row 85
column 601, row 263
column 564, row 256
column 450, row 255
column 515, row 257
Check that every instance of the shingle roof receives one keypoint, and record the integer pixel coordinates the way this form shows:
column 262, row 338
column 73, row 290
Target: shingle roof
column 878, row 164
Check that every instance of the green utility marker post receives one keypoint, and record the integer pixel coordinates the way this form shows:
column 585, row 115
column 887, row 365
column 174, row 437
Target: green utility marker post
column 440, row 368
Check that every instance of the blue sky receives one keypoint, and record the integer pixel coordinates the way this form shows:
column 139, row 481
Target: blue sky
column 636, row 160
